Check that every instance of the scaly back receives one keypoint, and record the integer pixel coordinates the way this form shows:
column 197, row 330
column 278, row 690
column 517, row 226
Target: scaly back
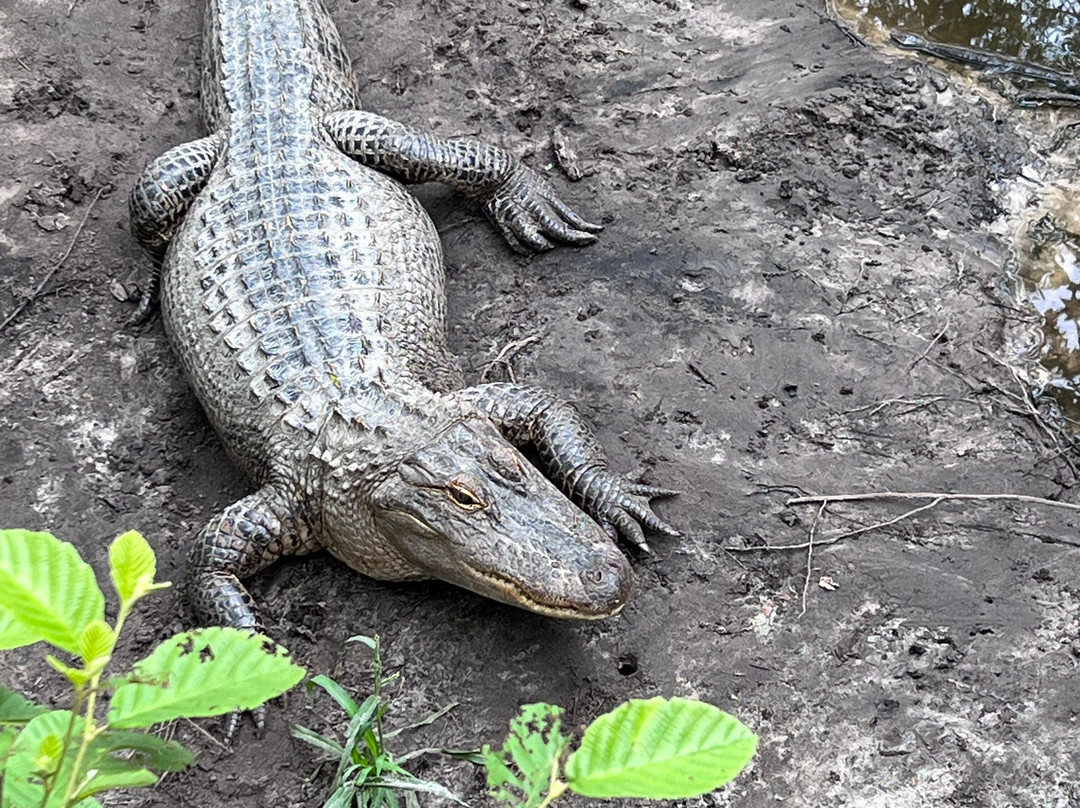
column 231, row 28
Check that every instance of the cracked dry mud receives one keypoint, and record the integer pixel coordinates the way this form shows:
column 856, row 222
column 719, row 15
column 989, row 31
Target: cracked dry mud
column 800, row 288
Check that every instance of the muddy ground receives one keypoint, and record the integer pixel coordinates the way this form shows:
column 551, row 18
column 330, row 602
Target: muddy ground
column 800, row 288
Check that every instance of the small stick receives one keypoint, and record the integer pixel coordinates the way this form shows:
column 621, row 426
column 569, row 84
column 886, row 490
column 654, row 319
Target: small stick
column 506, row 356
column 810, row 555
column 840, row 536
column 1053, row 503
column 56, row 267
column 930, row 347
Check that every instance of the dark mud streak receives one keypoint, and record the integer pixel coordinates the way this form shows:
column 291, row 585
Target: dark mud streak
column 798, row 235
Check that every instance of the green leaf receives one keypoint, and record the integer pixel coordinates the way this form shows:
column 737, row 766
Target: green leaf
column 132, row 566
column 202, row 673
column 318, row 740
column 77, row 676
column 431, row 718
column 522, row 771
column 96, row 643
column 14, row 634
column 147, row 750
column 111, row 772
column 660, row 749
column 475, row 756
column 8, row 733
column 370, row 642
column 48, row 588
column 15, row 709
column 336, row 692
column 23, row 784
column 410, row 782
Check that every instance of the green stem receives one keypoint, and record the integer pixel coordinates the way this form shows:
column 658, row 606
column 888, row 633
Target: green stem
column 89, row 733
column 90, row 730
column 556, row 787
column 50, row 782
column 555, row 790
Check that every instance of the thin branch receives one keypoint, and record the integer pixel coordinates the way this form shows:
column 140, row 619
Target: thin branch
column 1052, row 503
column 930, row 347
column 838, row 537
column 810, row 555
column 56, row 267
column 506, row 356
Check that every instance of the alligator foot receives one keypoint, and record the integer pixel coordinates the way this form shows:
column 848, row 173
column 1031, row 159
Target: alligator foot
column 248, row 535
column 572, row 458
column 529, row 215
column 521, row 203
column 621, row 507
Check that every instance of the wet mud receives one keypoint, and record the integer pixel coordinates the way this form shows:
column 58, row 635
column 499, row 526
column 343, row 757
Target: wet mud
column 802, row 288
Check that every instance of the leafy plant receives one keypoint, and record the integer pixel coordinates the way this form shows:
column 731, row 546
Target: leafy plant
column 62, row 758
column 368, row 775
column 654, row 749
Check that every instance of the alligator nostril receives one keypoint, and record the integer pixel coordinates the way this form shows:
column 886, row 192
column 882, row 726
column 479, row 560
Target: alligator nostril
column 608, row 580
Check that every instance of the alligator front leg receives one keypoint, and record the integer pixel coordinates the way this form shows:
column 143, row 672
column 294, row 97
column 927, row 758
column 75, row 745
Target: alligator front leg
column 160, row 199
column 248, row 535
column 244, row 538
column 521, row 203
column 572, row 457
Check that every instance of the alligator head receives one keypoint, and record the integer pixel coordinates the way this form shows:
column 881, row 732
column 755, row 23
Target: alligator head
column 468, row 508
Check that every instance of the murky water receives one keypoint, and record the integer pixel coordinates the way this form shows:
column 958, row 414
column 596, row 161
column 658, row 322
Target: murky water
column 1045, row 32
column 1047, row 251
column 1048, row 262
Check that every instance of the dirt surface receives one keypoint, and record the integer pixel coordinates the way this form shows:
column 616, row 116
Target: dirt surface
column 800, row 289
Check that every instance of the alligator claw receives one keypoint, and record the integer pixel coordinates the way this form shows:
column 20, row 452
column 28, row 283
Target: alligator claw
column 144, row 311
column 624, row 510
column 530, row 216
column 233, row 724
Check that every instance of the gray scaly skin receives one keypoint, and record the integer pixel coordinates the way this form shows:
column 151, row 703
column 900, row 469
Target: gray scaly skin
column 302, row 288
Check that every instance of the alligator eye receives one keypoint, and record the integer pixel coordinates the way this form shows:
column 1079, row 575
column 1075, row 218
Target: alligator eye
column 463, row 496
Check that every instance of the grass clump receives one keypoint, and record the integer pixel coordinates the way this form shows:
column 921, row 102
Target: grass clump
column 653, row 749
column 368, row 775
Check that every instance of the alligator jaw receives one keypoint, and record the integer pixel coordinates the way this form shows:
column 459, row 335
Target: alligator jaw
column 522, row 597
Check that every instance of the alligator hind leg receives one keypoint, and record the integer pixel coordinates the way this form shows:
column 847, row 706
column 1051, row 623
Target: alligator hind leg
column 572, row 457
column 521, row 203
column 160, row 199
column 244, row 538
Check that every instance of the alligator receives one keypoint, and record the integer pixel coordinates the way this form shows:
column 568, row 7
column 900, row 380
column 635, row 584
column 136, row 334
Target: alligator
column 1066, row 85
column 301, row 286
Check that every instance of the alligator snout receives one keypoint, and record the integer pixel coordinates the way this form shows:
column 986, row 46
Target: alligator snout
column 607, row 582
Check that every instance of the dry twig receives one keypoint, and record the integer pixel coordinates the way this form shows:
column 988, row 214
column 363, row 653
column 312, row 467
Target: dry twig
column 930, row 347
column 826, row 498
column 936, row 499
column 838, row 537
column 56, row 267
column 506, row 356
column 810, row 555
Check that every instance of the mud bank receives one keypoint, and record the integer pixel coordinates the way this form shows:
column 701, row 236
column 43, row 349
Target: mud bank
column 799, row 289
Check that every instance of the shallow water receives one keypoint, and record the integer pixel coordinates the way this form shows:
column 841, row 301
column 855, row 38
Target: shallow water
column 1048, row 263
column 1047, row 251
column 1041, row 31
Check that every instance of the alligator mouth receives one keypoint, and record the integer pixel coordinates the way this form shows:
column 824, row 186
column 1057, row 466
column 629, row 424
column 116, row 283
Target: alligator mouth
column 500, row 586
column 518, row 595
